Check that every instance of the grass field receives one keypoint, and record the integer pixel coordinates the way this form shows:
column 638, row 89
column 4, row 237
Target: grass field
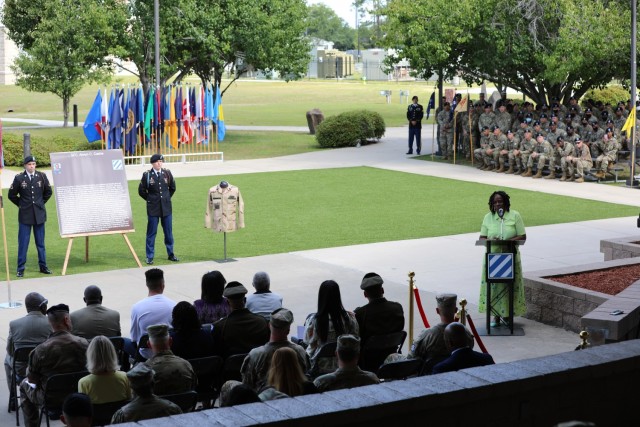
column 248, row 102
column 299, row 210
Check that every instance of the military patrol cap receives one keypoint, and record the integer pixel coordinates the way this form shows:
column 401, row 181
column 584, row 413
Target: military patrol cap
column 371, row 280
column 446, row 300
column 59, row 307
column 234, row 290
column 158, row 331
column 157, row 157
column 28, row 159
column 139, row 376
column 282, row 318
column 348, row 342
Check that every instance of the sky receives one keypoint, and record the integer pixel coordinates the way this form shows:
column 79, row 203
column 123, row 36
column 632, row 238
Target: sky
column 343, row 8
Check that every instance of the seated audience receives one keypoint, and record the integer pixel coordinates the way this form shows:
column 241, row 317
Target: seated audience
column 188, row 340
column 349, row 373
column 155, row 309
column 462, row 356
column 242, row 394
column 241, row 330
column 212, row 306
column 105, row 383
column 145, row 405
column 61, row 353
column 95, row 319
column 172, row 373
column 330, row 321
column 225, row 390
column 379, row 316
column 263, row 302
column 285, row 377
column 257, row 363
column 27, row 331
column 77, row 411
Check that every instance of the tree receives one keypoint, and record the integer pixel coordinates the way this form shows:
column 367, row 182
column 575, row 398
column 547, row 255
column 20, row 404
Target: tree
column 543, row 48
column 325, row 24
column 67, row 47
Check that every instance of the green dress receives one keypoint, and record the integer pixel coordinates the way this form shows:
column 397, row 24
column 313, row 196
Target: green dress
column 513, row 226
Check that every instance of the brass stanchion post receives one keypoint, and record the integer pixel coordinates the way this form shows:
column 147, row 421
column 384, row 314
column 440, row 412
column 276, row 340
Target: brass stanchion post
column 411, row 297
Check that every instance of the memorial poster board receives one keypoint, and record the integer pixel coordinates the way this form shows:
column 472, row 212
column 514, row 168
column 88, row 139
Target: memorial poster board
column 92, row 194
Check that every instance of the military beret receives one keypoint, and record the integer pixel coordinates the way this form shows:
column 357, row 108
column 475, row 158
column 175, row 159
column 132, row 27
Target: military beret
column 605, row 113
column 59, row 307
column 569, row 127
column 545, row 107
column 560, row 138
column 446, row 300
column 539, row 134
column 609, row 122
column 487, row 105
column 35, row 300
column 619, row 109
column 509, row 132
column 485, row 128
column 157, row 157
column 609, row 130
column 348, row 342
column 494, row 127
column 529, row 115
column 573, row 108
column 543, row 116
column 28, row 159
column 157, row 331
column 234, row 290
column 595, row 124
column 140, row 375
column 371, row 280
column 553, row 124
column 282, row 318
column 536, row 123
column 588, row 110
column 578, row 139
column 572, row 98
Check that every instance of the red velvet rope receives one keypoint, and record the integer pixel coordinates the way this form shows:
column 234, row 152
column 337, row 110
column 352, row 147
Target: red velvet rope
column 475, row 334
column 420, row 309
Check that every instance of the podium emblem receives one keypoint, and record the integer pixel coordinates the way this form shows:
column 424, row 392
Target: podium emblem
column 500, row 266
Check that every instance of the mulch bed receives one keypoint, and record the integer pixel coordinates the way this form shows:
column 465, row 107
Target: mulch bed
column 608, row 281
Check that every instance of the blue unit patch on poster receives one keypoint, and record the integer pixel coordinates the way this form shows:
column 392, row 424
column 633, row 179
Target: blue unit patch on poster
column 500, row 266
column 117, row 165
column 57, row 168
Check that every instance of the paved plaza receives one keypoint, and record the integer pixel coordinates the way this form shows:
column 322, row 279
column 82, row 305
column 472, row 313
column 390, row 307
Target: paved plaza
column 449, row 263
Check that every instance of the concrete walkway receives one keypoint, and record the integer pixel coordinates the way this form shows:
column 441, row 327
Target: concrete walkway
column 450, row 263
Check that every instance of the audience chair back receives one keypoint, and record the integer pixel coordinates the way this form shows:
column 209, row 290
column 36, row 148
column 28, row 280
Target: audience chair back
column 430, row 363
column 103, row 412
column 58, row 387
column 20, row 355
column 378, row 347
column 142, row 343
column 400, row 370
column 187, row 401
column 123, row 357
column 327, row 350
column 231, row 368
column 208, row 370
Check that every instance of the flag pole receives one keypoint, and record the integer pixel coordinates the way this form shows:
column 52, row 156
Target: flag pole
column 10, row 303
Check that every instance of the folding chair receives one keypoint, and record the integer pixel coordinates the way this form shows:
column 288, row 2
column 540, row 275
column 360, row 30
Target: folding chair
column 20, row 355
column 103, row 412
column 207, row 370
column 400, row 370
column 57, row 388
column 187, row 401
column 123, row 358
column 142, row 343
column 231, row 368
column 378, row 347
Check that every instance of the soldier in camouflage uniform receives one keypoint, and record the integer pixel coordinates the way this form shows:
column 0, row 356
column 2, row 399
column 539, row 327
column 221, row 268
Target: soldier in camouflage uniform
column 595, row 139
column 527, row 145
column 503, row 118
column 618, row 123
column 573, row 102
column 349, row 374
column 173, row 374
column 554, row 133
column 145, row 405
column 609, row 149
column 537, row 128
column 564, row 149
column 475, row 131
column 541, row 153
column 507, row 153
column 488, row 118
column 61, row 353
column 544, row 122
column 557, row 155
column 479, row 153
column 580, row 162
column 446, row 131
column 497, row 142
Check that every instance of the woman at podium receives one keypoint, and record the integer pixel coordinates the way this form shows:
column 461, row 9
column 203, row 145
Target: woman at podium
column 502, row 223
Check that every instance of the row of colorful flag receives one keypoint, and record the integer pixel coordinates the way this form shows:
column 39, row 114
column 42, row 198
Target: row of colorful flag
column 174, row 115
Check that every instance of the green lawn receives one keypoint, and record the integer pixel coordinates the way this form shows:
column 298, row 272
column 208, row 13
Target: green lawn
column 299, row 210
column 249, row 102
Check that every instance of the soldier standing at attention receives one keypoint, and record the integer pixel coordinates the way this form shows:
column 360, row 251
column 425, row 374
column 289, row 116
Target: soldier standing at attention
column 446, row 131
column 415, row 113
column 157, row 187
column 29, row 191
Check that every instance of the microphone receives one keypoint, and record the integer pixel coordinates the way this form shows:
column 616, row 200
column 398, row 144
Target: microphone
column 500, row 213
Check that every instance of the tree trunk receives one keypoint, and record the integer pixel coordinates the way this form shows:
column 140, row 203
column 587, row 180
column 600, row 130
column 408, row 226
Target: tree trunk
column 65, row 109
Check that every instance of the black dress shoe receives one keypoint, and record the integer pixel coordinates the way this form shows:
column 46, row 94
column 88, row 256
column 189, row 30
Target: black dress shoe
column 149, row 261
column 173, row 258
column 45, row 270
column 409, row 152
column 20, row 274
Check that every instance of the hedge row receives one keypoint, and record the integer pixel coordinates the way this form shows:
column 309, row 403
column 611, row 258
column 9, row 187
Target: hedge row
column 41, row 147
column 609, row 95
column 350, row 128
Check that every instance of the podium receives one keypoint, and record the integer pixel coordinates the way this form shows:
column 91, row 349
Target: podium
column 500, row 267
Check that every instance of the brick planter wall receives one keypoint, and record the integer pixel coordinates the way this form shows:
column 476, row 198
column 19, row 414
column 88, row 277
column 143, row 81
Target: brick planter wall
column 620, row 248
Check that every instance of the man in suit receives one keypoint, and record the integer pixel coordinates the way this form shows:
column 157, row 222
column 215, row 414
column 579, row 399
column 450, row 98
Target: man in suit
column 29, row 191
column 95, row 319
column 241, row 331
column 157, row 187
column 379, row 316
column 462, row 356
column 27, row 331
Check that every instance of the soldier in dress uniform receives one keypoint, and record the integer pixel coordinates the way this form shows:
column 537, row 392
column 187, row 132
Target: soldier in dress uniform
column 157, row 187
column 415, row 113
column 30, row 191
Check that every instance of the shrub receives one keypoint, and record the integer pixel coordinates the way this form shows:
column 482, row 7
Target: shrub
column 610, row 94
column 350, row 128
column 41, row 147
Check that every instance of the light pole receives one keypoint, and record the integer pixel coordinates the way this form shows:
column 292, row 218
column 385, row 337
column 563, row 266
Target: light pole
column 632, row 182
